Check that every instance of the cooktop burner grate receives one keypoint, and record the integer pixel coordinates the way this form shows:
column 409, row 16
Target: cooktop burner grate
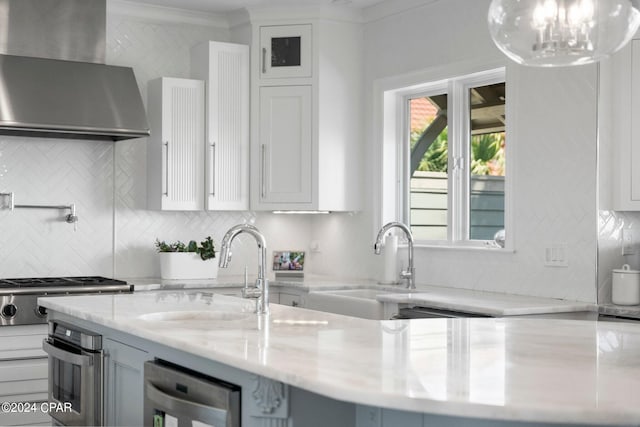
column 19, row 296
column 58, row 281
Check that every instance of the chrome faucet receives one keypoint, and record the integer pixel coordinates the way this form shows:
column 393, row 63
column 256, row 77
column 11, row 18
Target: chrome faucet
column 259, row 292
column 410, row 272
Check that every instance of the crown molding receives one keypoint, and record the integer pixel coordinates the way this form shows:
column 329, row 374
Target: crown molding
column 305, row 12
column 238, row 17
column 390, row 8
column 148, row 12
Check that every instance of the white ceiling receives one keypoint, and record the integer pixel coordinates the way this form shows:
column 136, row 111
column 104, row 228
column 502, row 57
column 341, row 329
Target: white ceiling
column 221, row 6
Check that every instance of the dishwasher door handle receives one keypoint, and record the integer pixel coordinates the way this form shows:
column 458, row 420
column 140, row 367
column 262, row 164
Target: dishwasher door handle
column 66, row 356
column 177, row 406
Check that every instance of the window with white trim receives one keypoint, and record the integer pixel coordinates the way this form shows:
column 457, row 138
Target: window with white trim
column 453, row 159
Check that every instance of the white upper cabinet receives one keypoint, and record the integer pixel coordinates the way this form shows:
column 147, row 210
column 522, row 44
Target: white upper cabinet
column 634, row 157
column 225, row 69
column 285, row 144
column 620, row 88
column 175, row 149
column 306, row 116
column 285, row 51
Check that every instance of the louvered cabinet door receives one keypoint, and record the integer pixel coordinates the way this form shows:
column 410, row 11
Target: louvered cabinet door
column 225, row 69
column 175, row 150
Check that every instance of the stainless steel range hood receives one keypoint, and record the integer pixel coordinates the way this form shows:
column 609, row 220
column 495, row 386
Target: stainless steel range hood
column 62, row 95
column 68, row 99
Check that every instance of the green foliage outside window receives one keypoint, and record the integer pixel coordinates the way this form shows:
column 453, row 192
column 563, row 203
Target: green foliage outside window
column 488, row 153
column 436, row 158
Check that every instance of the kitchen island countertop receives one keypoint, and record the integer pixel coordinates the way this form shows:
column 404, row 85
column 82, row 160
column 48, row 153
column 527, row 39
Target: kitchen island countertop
column 485, row 303
column 464, row 300
column 542, row 370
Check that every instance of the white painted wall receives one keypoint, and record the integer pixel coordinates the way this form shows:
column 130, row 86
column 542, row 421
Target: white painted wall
column 555, row 197
column 553, row 172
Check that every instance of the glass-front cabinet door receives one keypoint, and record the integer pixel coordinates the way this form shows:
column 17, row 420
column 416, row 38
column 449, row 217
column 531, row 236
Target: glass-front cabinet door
column 285, row 51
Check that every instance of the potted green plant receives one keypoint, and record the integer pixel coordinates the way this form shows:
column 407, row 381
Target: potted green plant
column 191, row 260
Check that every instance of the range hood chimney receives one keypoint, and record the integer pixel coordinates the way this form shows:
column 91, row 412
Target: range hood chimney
column 53, row 80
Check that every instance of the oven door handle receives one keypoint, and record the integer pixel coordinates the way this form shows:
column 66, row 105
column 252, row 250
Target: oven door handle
column 65, row 356
column 197, row 411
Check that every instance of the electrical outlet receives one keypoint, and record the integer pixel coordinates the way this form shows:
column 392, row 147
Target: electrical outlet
column 628, row 248
column 314, row 246
column 555, row 255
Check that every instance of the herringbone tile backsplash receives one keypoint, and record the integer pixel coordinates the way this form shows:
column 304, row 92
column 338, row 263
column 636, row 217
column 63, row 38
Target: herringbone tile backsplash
column 56, row 172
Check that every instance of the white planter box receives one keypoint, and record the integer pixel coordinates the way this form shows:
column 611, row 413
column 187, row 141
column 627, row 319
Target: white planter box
column 187, row 265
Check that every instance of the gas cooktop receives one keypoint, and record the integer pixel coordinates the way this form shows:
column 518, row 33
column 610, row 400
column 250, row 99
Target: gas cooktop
column 58, row 281
column 19, row 296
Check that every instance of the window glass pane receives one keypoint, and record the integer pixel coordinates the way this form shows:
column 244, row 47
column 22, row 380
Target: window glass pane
column 488, row 144
column 428, row 199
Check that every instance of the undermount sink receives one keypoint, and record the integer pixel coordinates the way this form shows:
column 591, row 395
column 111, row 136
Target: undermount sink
column 351, row 302
column 192, row 316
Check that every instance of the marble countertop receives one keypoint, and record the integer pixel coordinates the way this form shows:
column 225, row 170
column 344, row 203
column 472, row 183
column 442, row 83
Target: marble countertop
column 487, row 303
column 156, row 284
column 629, row 311
column 310, row 283
column 481, row 302
column 538, row 370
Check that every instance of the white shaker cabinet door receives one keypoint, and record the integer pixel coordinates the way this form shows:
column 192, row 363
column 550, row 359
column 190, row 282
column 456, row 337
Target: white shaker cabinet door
column 285, row 145
column 634, row 158
column 175, row 150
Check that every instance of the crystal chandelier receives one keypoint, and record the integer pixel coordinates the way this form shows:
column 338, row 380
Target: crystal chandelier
column 549, row 33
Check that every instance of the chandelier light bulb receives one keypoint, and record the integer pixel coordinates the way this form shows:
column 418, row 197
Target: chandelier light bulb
column 549, row 33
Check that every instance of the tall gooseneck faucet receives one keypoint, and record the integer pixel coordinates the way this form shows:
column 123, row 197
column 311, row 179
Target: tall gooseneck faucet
column 410, row 273
column 259, row 292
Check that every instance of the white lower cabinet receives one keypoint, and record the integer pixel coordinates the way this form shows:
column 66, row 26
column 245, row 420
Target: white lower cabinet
column 23, row 374
column 290, row 296
column 24, row 381
column 292, row 299
column 124, row 378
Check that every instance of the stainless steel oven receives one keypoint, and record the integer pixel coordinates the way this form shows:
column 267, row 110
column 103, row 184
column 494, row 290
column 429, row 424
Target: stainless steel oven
column 75, row 375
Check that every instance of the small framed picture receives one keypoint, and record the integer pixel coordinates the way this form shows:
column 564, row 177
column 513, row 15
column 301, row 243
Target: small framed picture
column 288, row 263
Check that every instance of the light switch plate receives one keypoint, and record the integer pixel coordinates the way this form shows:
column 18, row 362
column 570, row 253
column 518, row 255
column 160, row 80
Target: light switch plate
column 556, row 255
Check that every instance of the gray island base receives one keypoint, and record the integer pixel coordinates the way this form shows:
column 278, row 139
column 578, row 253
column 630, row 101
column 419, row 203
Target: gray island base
column 302, row 368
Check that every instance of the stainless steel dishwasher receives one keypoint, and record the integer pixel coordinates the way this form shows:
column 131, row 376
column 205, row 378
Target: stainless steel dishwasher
column 179, row 397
